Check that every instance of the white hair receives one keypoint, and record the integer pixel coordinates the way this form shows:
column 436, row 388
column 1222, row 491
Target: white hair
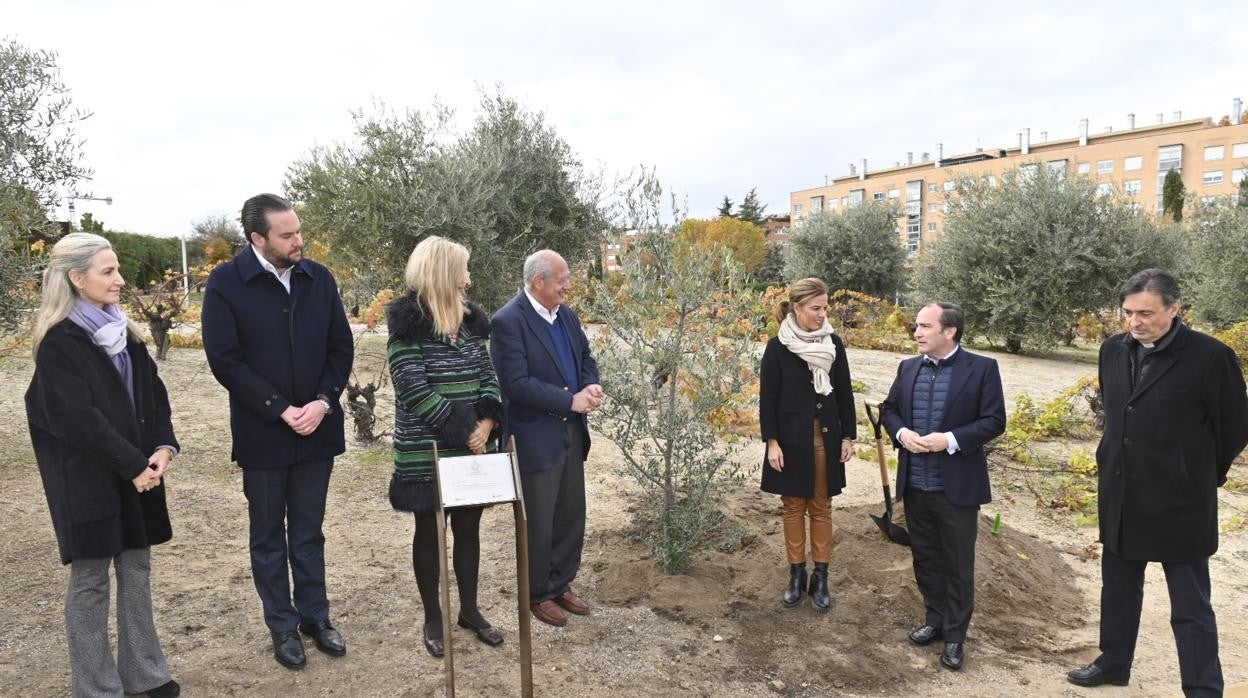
column 539, row 264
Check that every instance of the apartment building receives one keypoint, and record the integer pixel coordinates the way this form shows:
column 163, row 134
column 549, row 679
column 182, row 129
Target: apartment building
column 1211, row 159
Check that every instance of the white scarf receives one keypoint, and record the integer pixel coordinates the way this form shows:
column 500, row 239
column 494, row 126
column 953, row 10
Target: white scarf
column 815, row 348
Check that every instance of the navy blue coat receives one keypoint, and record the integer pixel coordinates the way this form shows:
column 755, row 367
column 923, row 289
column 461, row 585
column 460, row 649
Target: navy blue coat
column 91, row 440
column 974, row 412
column 272, row 349
column 537, row 400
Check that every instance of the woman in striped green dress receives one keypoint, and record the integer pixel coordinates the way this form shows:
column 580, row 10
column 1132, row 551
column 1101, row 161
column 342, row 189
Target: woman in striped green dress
column 446, row 395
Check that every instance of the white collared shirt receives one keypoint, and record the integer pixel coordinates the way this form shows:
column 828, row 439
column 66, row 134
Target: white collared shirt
column 548, row 315
column 268, row 266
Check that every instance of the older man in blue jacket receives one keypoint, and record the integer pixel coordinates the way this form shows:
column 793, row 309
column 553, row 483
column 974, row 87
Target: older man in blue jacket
column 549, row 381
column 277, row 339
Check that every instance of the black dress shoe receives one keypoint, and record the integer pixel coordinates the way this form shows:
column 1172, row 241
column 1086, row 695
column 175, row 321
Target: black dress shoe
column 952, row 657
column 1092, row 675
column 487, row 633
column 288, row 649
column 169, row 689
column 925, row 635
column 434, row 645
column 328, row 640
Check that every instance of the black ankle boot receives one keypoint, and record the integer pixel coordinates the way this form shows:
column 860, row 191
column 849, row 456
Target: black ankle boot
column 797, row 584
column 819, row 588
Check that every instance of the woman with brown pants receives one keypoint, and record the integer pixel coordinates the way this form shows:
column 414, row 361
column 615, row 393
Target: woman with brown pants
column 806, row 410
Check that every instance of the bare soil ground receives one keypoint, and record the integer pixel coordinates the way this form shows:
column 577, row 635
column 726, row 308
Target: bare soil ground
column 716, row 631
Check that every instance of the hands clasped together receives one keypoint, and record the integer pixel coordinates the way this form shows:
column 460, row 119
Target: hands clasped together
column 588, row 399
column 157, row 464
column 304, row 420
column 932, row 443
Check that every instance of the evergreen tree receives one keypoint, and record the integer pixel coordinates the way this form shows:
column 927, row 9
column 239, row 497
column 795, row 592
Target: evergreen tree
column 725, row 209
column 1243, row 191
column 1172, row 195
column 751, row 210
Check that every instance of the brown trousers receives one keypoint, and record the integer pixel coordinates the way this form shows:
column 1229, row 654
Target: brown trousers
column 818, row 507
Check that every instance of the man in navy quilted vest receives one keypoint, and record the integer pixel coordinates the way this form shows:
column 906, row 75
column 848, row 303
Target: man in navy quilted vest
column 943, row 407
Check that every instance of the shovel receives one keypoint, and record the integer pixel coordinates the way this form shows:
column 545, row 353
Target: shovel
column 895, row 533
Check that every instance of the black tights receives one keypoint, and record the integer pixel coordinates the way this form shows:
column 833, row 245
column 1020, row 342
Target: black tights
column 466, row 558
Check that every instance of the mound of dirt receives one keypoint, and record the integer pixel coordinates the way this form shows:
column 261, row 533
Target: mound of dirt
column 1025, row 597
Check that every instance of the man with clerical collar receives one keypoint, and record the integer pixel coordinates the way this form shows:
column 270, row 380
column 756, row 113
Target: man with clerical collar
column 1176, row 416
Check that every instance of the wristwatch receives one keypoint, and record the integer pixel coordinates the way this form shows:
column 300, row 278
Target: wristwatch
column 329, row 406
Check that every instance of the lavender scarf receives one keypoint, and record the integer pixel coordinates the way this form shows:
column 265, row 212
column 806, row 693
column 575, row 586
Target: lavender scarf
column 108, row 329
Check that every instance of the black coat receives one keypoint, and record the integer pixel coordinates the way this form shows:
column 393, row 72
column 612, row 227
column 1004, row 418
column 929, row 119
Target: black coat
column 974, row 412
column 1167, row 446
column 91, row 440
column 272, row 349
column 787, row 407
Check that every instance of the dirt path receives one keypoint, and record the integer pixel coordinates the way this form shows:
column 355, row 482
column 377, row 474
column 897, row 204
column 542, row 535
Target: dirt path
column 650, row 634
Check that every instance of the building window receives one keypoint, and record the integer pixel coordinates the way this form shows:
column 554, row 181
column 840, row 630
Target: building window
column 816, row 204
column 1105, row 189
column 1212, row 179
column 931, row 227
column 931, row 188
column 1133, row 207
column 1085, row 167
column 894, row 193
column 1028, row 172
column 1131, row 186
column 1057, row 167
column 914, row 213
column 1239, row 150
column 1169, row 157
column 855, row 196
column 844, row 200
column 1135, row 162
column 1237, row 176
column 932, row 208
column 950, row 186
column 797, row 209
column 1214, row 152
column 1107, row 166
column 832, row 204
column 878, row 196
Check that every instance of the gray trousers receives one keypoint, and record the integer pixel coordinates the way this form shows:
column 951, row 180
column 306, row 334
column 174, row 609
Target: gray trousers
column 140, row 664
column 554, row 503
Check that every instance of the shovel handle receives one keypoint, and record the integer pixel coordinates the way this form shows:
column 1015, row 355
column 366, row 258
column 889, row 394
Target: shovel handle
column 873, row 417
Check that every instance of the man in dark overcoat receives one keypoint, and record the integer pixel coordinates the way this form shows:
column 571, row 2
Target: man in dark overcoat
column 549, row 381
column 942, row 408
column 277, row 339
column 1176, row 416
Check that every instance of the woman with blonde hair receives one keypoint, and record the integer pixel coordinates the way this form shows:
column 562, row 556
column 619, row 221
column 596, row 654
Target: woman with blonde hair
column 806, row 410
column 100, row 423
column 446, row 397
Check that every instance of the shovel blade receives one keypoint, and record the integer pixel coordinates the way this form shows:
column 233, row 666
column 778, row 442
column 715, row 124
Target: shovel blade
column 895, row 533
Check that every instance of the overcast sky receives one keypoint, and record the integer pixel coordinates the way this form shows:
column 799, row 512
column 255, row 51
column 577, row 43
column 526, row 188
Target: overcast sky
column 199, row 105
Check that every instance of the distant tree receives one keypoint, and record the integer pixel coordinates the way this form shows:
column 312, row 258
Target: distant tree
column 90, row 224
column 214, row 238
column 751, row 210
column 725, row 208
column 40, row 156
column 1027, row 257
column 772, row 268
column 1225, row 120
column 856, row 248
column 746, row 241
column 1219, row 264
column 509, row 186
column 145, row 259
column 1172, row 195
column 1242, row 199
